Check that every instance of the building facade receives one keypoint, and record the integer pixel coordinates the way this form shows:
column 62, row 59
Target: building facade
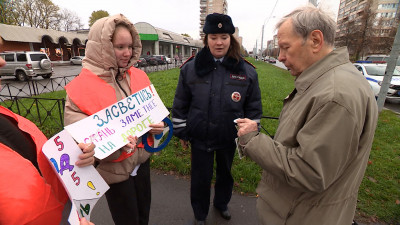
column 208, row 7
column 61, row 46
column 367, row 26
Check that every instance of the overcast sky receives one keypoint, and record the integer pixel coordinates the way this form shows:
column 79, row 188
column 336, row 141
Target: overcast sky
column 183, row 16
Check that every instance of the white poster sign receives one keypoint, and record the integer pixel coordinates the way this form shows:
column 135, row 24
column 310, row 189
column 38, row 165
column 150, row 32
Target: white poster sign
column 84, row 185
column 109, row 128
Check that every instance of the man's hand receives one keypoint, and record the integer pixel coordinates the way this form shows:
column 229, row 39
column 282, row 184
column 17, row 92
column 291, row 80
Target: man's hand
column 87, row 156
column 245, row 126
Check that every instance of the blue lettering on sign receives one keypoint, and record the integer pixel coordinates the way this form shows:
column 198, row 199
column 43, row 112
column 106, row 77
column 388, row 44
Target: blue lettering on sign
column 121, row 108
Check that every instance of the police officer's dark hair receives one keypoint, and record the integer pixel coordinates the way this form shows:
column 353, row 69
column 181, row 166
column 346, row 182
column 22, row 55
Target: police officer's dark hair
column 234, row 47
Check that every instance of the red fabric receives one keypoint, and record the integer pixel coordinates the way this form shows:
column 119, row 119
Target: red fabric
column 25, row 196
column 99, row 95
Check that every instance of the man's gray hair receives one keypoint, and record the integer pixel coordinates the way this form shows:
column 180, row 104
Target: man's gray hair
column 308, row 18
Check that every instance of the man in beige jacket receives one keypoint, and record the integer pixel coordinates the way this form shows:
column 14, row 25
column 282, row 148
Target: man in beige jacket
column 313, row 167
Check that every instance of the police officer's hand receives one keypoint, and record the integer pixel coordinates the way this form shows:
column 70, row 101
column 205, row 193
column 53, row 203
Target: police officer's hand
column 157, row 128
column 87, row 156
column 246, row 126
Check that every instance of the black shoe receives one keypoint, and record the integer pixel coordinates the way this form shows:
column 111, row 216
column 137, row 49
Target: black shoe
column 199, row 222
column 224, row 213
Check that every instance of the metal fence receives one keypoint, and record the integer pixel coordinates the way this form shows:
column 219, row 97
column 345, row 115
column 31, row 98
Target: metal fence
column 33, row 87
column 155, row 68
column 48, row 113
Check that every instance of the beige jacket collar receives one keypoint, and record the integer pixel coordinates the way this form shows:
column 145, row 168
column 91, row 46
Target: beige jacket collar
column 318, row 69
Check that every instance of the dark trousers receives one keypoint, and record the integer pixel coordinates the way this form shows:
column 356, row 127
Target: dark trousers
column 129, row 201
column 201, row 175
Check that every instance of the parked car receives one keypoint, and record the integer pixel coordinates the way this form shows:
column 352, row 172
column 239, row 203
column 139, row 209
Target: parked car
column 375, row 73
column 76, row 60
column 151, row 60
column 141, row 63
column 25, row 65
column 161, row 59
column 378, row 59
column 169, row 60
column 270, row 59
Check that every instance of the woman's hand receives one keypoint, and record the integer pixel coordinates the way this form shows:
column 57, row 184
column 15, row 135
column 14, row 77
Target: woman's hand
column 132, row 143
column 87, row 156
column 157, row 128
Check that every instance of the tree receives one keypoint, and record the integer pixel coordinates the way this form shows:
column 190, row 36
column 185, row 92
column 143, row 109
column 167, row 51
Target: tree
column 39, row 13
column 97, row 15
column 365, row 31
column 356, row 30
column 6, row 12
column 69, row 20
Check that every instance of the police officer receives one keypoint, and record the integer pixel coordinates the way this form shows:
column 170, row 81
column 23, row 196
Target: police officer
column 215, row 87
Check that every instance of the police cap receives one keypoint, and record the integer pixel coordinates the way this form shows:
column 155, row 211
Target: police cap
column 218, row 23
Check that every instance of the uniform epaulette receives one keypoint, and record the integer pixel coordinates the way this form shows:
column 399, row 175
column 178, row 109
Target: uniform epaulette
column 190, row 58
column 250, row 63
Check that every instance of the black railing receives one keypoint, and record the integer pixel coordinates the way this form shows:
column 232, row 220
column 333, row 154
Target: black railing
column 46, row 113
column 33, row 87
column 155, row 68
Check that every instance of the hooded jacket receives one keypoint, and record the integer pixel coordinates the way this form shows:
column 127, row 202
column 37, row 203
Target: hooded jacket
column 28, row 195
column 100, row 61
column 313, row 167
column 210, row 96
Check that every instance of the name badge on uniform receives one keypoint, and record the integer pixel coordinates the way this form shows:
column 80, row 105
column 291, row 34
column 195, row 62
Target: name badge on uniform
column 238, row 77
column 236, row 96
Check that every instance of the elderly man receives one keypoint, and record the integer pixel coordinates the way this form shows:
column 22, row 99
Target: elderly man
column 313, row 167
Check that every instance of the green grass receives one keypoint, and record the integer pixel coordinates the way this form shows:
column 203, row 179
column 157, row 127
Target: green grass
column 380, row 190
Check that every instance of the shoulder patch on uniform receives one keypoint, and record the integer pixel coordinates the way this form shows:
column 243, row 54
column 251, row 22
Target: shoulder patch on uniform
column 187, row 60
column 249, row 63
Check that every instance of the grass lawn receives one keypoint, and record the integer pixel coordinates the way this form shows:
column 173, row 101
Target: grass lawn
column 379, row 195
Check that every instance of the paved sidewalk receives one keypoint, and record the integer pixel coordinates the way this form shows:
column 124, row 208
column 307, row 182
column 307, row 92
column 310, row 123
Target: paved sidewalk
column 171, row 205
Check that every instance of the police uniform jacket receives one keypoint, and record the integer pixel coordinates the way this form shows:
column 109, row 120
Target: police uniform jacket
column 209, row 96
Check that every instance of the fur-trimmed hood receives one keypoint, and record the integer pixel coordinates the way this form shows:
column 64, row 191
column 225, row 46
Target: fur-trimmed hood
column 205, row 63
column 100, row 57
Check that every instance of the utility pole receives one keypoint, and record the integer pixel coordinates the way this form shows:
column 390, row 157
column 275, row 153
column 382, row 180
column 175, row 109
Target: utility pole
column 391, row 64
column 262, row 38
column 255, row 52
